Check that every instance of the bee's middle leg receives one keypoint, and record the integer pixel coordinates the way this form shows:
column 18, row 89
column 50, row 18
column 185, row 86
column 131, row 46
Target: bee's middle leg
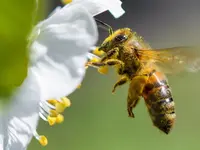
column 120, row 82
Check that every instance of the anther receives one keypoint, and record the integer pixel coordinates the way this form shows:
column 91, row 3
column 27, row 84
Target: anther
column 103, row 69
column 60, row 106
column 51, row 120
column 41, row 138
column 66, row 101
column 59, row 118
column 52, row 101
column 53, row 113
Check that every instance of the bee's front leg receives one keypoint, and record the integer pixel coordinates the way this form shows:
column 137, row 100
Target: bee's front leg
column 113, row 53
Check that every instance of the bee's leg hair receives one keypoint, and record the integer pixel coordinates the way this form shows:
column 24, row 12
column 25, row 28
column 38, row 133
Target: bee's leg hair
column 120, row 82
column 111, row 53
column 109, row 62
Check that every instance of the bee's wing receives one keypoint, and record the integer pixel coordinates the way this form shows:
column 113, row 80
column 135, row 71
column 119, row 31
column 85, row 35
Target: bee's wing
column 172, row 60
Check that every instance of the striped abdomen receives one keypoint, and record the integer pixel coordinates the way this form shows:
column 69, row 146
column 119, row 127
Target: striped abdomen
column 159, row 101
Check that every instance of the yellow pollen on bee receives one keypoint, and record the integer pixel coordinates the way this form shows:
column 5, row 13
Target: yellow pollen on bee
column 59, row 118
column 43, row 140
column 103, row 69
column 66, row 1
column 97, row 52
column 51, row 120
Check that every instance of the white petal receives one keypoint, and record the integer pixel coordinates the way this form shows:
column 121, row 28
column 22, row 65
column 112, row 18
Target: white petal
column 58, row 8
column 96, row 7
column 21, row 115
column 60, row 50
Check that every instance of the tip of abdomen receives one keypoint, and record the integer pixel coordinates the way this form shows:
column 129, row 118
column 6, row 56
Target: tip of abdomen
column 165, row 123
column 166, row 129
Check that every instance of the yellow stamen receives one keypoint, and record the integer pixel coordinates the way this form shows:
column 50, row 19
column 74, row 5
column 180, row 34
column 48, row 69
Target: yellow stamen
column 79, row 86
column 94, row 60
column 51, row 120
column 60, row 106
column 103, row 69
column 97, row 52
column 66, row 1
column 66, row 101
column 59, row 118
column 43, row 140
column 53, row 113
column 52, row 101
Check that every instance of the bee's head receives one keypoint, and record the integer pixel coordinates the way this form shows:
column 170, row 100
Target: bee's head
column 117, row 39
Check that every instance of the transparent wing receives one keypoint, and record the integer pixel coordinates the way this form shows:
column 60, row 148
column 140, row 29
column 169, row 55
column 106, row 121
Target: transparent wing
column 172, row 60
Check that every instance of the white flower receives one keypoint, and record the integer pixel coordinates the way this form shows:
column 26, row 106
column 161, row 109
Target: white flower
column 58, row 53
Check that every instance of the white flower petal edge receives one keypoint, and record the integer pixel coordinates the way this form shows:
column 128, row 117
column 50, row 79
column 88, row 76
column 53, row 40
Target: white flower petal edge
column 96, row 7
column 60, row 50
column 22, row 117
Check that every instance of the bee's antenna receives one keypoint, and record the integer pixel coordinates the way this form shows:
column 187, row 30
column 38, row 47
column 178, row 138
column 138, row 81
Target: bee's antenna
column 104, row 26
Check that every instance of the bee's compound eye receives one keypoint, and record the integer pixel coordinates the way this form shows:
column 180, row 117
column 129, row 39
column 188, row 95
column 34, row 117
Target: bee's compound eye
column 120, row 38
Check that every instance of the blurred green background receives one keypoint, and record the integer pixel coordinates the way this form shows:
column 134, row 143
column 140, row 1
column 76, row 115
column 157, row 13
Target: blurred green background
column 16, row 22
column 97, row 119
column 13, row 52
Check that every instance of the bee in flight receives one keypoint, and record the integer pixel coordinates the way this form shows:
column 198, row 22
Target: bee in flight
column 145, row 68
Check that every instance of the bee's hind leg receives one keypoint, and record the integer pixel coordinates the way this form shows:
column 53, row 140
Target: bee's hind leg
column 135, row 91
column 131, row 103
column 120, row 82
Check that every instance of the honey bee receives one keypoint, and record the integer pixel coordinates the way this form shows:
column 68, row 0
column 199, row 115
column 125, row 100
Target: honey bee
column 145, row 68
